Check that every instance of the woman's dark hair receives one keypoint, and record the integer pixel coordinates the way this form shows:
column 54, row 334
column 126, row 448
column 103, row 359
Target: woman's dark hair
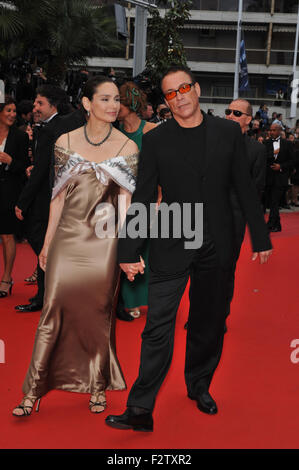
column 132, row 97
column 93, row 83
column 7, row 100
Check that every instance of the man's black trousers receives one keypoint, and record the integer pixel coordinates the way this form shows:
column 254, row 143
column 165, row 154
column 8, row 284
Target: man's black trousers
column 35, row 233
column 208, row 300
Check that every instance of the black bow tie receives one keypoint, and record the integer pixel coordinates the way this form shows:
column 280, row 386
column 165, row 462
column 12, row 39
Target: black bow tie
column 276, row 140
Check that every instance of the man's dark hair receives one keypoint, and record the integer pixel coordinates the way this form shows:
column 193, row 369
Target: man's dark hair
column 178, row 68
column 55, row 95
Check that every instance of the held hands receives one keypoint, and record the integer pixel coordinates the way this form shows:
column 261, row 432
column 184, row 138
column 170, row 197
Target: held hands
column 5, row 158
column 18, row 213
column 263, row 255
column 275, row 166
column 131, row 269
column 43, row 257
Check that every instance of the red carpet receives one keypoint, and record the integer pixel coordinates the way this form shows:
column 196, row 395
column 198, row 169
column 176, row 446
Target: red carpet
column 256, row 385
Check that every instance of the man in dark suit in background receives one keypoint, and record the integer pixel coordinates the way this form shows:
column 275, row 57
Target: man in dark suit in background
column 241, row 111
column 195, row 158
column 280, row 162
column 34, row 201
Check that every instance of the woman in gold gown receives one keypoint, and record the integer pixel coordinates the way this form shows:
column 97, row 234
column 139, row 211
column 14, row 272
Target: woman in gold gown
column 74, row 347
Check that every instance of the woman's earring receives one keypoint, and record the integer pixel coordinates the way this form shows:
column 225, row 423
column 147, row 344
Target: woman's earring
column 88, row 113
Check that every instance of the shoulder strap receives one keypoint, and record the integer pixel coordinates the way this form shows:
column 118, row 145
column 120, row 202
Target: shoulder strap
column 142, row 124
column 121, row 148
column 68, row 141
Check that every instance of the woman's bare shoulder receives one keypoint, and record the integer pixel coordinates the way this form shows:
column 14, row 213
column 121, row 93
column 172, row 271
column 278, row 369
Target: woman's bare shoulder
column 64, row 139
column 149, row 126
column 127, row 146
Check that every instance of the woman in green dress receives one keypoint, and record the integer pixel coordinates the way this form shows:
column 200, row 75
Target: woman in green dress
column 132, row 102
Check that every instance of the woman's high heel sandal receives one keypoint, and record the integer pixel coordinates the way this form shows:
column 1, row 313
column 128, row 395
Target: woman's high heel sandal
column 5, row 293
column 32, row 279
column 25, row 408
column 99, row 401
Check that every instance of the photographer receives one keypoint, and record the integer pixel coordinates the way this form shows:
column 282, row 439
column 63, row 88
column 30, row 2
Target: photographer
column 162, row 113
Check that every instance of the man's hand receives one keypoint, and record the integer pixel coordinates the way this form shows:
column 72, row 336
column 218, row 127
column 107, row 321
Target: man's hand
column 131, row 269
column 28, row 170
column 264, row 256
column 275, row 166
column 19, row 213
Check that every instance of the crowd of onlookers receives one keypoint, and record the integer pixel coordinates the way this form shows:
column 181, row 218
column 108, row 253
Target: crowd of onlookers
column 260, row 130
column 261, row 122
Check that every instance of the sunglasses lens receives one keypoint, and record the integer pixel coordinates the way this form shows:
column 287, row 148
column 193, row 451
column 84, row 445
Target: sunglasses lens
column 234, row 111
column 170, row 95
column 185, row 88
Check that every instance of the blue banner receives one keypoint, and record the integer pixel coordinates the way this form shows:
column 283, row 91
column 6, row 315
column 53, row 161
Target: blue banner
column 244, row 79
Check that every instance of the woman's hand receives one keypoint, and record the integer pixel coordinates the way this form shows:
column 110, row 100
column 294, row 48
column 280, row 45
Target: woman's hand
column 43, row 257
column 5, row 158
column 18, row 213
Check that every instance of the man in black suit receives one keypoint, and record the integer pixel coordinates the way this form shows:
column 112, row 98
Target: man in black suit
column 194, row 158
column 34, row 201
column 240, row 111
column 280, row 161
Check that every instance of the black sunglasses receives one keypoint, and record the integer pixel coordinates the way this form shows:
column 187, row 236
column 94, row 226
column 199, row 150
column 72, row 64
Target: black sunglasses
column 235, row 112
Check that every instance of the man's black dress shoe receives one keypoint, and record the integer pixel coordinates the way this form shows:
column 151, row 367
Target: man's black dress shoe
column 32, row 307
column 275, row 229
column 130, row 420
column 205, row 403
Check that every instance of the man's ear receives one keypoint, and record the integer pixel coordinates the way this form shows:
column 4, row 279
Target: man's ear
column 248, row 120
column 197, row 88
column 166, row 102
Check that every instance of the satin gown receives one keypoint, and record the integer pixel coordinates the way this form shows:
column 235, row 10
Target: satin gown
column 74, row 347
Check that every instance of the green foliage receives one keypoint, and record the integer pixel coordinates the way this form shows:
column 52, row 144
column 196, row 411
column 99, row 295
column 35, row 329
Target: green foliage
column 165, row 42
column 65, row 31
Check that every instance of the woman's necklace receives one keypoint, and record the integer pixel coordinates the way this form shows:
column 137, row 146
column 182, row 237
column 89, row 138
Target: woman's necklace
column 102, row 141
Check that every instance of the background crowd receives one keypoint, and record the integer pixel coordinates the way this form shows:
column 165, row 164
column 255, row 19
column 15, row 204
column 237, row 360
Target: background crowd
column 20, row 123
